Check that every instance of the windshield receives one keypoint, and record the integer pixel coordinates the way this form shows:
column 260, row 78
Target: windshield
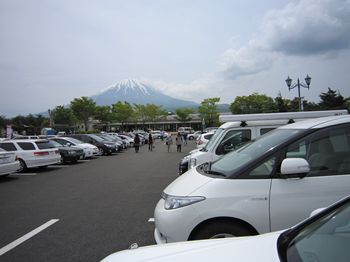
column 97, row 138
column 74, row 141
column 327, row 239
column 212, row 140
column 231, row 162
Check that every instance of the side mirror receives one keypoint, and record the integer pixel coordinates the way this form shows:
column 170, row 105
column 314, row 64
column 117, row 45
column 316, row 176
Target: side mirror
column 295, row 167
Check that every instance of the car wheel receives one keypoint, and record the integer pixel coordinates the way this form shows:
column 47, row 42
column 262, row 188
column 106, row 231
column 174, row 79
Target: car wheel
column 100, row 151
column 221, row 229
column 22, row 166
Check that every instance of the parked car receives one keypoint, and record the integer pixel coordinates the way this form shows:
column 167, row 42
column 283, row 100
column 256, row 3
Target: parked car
column 185, row 130
column 267, row 185
column 322, row 237
column 89, row 149
column 32, row 152
column 203, row 139
column 104, row 147
column 128, row 139
column 8, row 163
column 114, row 139
column 68, row 154
column 195, row 135
column 241, row 129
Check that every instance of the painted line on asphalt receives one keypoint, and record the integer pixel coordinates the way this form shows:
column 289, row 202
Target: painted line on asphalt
column 151, row 220
column 58, row 166
column 27, row 236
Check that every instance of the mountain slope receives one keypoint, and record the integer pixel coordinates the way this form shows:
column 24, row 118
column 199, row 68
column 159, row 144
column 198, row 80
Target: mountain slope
column 133, row 91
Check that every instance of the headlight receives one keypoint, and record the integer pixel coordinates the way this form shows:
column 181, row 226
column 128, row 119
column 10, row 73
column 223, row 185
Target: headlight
column 193, row 162
column 173, row 202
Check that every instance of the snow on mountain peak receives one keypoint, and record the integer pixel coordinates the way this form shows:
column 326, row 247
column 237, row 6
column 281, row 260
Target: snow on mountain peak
column 134, row 85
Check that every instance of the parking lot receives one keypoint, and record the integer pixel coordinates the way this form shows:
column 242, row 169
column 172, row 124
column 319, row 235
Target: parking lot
column 84, row 211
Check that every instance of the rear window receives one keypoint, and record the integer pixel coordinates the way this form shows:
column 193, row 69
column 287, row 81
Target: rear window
column 8, row 146
column 26, row 145
column 44, row 144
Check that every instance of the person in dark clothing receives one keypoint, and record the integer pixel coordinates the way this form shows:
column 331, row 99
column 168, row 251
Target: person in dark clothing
column 150, row 142
column 178, row 142
column 137, row 143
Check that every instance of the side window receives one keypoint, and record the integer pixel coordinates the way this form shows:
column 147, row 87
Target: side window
column 327, row 151
column 232, row 140
column 26, row 146
column 8, row 146
column 263, row 131
column 263, row 170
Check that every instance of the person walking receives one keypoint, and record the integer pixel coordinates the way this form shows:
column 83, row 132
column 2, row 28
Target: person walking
column 185, row 138
column 150, row 142
column 168, row 141
column 137, row 143
column 178, row 142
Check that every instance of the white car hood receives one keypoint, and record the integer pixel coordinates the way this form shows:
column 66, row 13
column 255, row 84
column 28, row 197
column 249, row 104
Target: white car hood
column 187, row 183
column 257, row 248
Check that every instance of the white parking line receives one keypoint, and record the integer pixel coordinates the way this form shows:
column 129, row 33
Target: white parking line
column 151, row 220
column 27, row 236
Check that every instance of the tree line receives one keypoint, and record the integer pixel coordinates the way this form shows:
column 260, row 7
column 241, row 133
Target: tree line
column 82, row 110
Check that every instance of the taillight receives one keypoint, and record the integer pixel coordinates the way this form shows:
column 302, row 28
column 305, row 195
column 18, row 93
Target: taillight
column 41, row 153
column 199, row 142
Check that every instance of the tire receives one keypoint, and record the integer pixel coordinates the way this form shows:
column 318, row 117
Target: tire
column 23, row 166
column 101, row 151
column 221, row 229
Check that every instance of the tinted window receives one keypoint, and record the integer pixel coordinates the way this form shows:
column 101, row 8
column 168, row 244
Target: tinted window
column 263, row 131
column 326, row 239
column 233, row 139
column 44, row 144
column 26, row 145
column 8, row 146
column 327, row 151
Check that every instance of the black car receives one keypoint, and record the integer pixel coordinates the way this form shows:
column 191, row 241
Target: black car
column 68, row 154
column 105, row 147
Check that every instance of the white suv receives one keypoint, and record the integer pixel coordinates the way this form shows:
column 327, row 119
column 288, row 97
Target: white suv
column 267, row 185
column 32, row 152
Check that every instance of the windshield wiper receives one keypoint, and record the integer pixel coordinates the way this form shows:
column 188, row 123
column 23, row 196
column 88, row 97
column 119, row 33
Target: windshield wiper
column 207, row 170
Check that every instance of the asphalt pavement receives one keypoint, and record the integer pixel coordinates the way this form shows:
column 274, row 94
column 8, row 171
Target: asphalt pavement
column 84, row 211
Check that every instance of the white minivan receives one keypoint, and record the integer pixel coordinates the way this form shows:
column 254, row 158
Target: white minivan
column 239, row 129
column 268, row 184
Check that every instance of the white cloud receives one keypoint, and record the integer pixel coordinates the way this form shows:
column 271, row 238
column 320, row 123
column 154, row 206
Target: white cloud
column 307, row 27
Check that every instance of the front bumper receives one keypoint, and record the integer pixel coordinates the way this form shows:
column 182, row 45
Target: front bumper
column 173, row 225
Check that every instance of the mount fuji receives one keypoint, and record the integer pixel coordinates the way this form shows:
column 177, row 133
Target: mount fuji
column 133, row 91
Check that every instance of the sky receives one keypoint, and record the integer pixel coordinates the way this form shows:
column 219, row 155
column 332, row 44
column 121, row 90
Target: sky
column 54, row 51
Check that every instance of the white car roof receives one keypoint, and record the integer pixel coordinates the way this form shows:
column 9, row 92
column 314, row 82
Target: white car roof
column 318, row 122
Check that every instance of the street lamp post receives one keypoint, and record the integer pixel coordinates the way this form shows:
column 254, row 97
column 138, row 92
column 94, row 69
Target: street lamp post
column 299, row 84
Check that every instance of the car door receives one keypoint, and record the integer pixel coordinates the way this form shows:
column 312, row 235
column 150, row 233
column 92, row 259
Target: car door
column 293, row 199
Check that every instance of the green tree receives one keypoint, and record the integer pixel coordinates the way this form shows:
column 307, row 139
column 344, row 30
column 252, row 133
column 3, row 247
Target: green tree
column 63, row 118
column 209, row 112
column 184, row 114
column 254, row 103
column 122, row 112
column 332, row 100
column 281, row 104
column 104, row 114
column 140, row 114
column 83, row 108
column 154, row 113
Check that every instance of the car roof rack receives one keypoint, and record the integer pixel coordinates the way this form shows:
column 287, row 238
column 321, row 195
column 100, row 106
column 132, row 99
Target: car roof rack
column 290, row 116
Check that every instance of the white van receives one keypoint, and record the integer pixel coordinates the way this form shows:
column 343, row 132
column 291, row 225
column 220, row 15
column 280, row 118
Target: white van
column 267, row 185
column 240, row 129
